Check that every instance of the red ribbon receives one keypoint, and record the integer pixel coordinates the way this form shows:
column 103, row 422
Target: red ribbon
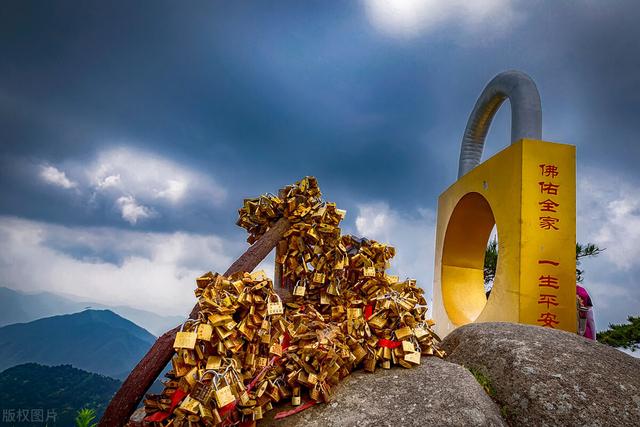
column 257, row 378
column 178, row 395
column 300, row 408
column 286, row 341
column 225, row 410
column 368, row 311
column 389, row 343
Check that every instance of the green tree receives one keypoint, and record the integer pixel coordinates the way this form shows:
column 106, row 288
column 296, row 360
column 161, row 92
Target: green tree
column 584, row 251
column 490, row 261
column 63, row 388
column 84, row 418
column 625, row 335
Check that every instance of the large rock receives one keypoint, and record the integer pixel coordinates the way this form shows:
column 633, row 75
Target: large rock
column 434, row 393
column 544, row 377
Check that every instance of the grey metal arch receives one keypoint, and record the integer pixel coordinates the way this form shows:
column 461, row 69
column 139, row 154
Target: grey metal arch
column 526, row 115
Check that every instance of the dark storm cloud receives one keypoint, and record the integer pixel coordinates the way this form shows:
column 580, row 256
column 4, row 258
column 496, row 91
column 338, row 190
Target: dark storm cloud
column 249, row 85
column 238, row 94
column 255, row 96
column 261, row 96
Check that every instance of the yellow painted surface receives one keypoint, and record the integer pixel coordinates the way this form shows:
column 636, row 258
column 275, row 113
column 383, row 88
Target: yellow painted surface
column 536, row 231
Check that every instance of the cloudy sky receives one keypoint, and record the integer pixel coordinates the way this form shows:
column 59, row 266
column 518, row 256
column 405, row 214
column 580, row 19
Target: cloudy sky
column 131, row 131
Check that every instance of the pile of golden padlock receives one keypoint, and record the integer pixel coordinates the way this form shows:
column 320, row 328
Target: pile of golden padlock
column 249, row 350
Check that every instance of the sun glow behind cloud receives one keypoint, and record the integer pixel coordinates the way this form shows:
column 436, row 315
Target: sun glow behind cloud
column 411, row 18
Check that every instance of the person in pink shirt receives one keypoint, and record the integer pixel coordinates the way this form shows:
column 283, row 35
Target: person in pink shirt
column 586, row 324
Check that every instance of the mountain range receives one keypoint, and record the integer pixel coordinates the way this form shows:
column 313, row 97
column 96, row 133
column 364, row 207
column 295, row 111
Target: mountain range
column 20, row 307
column 98, row 341
column 54, row 393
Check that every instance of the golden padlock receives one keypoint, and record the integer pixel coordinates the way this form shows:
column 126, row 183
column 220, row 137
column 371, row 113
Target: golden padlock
column 275, row 307
column 257, row 413
column 403, row 333
column 377, row 322
column 312, row 378
column 202, row 393
column 262, row 388
column 273, row 392
column 299, row 290
column 295, row 397
column 261, row 362
column 223, row 396
column 420, row 332
column 413, row 358
column 284, row 390
column 187, row 356
column 369, row 272
column 190, row 405
column 324, row 298
column 191, row 376
column 204, row 332
column 391, row 279
column 408, row 347
column 179, row 367
column 314, row 393
column 275, row 349
column 250, row 357
column 370, row 364
column 185, row 340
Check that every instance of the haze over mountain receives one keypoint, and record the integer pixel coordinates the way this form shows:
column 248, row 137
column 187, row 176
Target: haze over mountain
column 20, row 307
column 97, row 341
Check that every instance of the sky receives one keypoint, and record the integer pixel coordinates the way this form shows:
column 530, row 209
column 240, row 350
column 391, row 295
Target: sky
column 132, row 131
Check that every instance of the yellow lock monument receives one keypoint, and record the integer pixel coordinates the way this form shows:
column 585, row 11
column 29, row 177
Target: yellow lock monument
column 528, row 192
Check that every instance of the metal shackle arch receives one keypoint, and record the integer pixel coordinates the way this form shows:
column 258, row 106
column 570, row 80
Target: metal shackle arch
column 526, row 115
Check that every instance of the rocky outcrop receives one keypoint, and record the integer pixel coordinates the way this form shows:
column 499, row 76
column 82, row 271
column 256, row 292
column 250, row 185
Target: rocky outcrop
column 546, row 377
column 435, row 393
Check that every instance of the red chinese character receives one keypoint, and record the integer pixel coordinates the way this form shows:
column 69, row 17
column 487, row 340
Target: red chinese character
column 549, row 188
column 548, row 319
column 548, row 206
column 548, row 299
column 549, row 170
column 548, row 282
column 547, row 261
column 548, row 222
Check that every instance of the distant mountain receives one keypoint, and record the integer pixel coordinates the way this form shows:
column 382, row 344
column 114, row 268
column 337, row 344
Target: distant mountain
column 20, row 307
column 55, row 390
column 98, row 341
